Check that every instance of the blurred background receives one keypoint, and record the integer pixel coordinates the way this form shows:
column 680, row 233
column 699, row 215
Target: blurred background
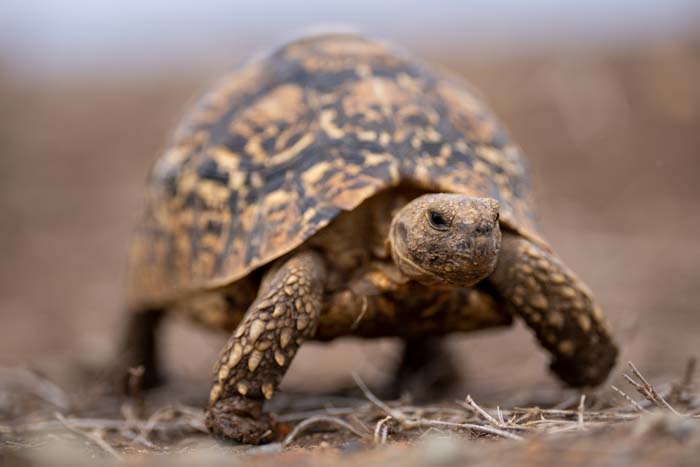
column 604, row 97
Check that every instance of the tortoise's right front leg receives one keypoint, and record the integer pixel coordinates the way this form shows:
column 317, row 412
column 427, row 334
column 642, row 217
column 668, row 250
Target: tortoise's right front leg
column 258, row 354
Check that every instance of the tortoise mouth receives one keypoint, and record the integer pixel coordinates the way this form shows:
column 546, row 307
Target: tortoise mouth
column 456, row 277
column 413, row 270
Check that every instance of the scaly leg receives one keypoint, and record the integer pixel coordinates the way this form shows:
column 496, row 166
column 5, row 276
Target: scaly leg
column 139, row 348
column 261, row 349
column 427, row 370
column 559, row 308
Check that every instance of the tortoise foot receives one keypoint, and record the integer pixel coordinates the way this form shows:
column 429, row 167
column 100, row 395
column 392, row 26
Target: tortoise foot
column 240, row 420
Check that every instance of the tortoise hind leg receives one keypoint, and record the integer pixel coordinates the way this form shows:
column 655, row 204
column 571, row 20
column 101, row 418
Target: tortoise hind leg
column 261, row 349
column 426, row 371
column 139, row 348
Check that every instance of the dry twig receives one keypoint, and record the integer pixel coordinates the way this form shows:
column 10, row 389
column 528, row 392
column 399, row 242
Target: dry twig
column 469, row 403
column 580, row 411
column 634, row 403
column 689, row 375
column 468, row 426
column 320, row 419
column 92, row 436
column 30, row 381
column 647, row 390
column 375, row 400
column 381, row 430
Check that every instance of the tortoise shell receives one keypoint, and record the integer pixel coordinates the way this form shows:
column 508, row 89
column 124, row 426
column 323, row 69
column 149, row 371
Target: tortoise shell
column 284, row 145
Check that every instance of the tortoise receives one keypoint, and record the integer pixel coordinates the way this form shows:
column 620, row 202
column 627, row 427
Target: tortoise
column 339, row 187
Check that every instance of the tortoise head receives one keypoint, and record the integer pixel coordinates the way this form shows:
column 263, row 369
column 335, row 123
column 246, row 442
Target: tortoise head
column 446, row 239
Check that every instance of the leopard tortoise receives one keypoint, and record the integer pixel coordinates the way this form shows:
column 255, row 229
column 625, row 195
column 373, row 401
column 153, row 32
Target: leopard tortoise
column 337, row 187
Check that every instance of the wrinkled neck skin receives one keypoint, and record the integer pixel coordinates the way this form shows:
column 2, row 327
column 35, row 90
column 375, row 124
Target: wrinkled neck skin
column 446, row 239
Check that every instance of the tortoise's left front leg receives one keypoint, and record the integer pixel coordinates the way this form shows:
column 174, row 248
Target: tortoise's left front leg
column 537, row 286
column 258, row 354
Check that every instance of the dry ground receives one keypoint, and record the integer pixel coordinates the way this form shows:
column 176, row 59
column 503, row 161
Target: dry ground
column 613, row 138
column 639, row 425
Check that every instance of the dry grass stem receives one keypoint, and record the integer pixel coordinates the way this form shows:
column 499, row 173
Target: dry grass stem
column 301, row 427
column 95, row 436
column 468, row 426
column 381, row 430
column 375, row 400
column 689, row 374
column 581, row 406
column 473, row 405
column 634, row 403
column 297, row 416
column 647, row 390
column 28, row 380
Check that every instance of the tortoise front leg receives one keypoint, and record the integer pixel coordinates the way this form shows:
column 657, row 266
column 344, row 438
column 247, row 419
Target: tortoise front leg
column 261, row 349
column 559, row 308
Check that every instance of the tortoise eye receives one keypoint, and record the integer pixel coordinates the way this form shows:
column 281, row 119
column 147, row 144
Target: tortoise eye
column 437, row 220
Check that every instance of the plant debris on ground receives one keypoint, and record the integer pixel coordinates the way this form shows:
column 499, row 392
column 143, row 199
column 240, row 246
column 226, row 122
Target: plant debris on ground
column 42, row 424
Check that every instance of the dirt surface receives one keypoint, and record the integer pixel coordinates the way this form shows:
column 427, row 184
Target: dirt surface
column 640, row 425
column 613, row 138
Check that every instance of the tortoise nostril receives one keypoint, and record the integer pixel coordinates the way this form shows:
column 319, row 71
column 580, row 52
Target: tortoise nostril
column 484, row 228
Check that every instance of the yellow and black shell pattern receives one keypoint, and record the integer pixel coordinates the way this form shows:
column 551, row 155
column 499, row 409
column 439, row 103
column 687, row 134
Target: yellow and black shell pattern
column 285, row 144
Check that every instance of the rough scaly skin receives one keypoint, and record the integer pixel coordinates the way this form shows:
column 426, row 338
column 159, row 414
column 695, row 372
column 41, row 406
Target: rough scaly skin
column 460, row 253
column 258, row 354
column 558, row 307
